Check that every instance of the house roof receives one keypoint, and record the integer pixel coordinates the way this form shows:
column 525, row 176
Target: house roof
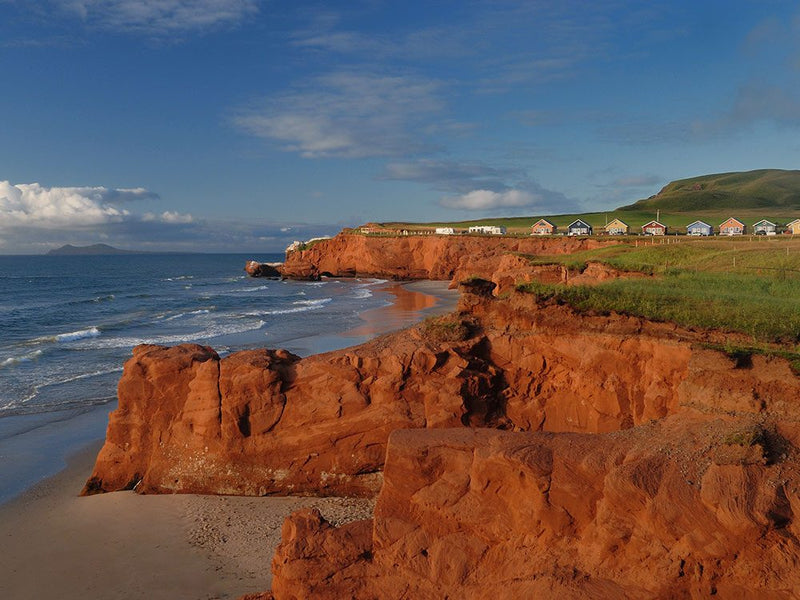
column 764, row 222
column 654, row 222
column 731, row 219
column 545, row 221
column 698, row 223
column 579, row 223
column 793, row 222
column 617, row 222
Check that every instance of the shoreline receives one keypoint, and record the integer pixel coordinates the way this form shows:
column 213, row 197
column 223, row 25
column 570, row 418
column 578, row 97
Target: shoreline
column 124, row 545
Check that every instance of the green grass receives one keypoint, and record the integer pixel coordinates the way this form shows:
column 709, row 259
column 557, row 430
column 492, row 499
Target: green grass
column 760, row 256
column 765, row 308
column 762, row 189
column 731, row 285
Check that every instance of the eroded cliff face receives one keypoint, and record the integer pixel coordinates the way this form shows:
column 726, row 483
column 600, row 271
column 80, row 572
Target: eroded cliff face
column 438, row 257
column 679, row 508
column 266, row 422
column 536, row 452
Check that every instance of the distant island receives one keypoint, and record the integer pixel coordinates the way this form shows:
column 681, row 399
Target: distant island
column 94, row 249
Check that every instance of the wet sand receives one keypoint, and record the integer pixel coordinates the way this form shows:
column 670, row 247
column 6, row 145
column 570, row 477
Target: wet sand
column 126, row 546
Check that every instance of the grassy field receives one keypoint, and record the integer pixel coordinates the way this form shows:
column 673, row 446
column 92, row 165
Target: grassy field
column 731, row 285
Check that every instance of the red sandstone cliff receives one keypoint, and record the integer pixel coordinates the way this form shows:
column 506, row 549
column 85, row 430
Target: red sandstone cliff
column 680, row 508
column 636, row 462
column 427, row 257
column 265, row 422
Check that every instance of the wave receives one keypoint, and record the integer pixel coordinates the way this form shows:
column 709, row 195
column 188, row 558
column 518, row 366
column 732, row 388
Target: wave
column 206, row 334
column 317, row 302
column 13, row 360
column 300, row 306
column 362, row 293
column 179, row 278
column 59, row 406
column 107, row 298
column 202, row 311
column 316, row 283
column 77, row 335
column 251, row 289
column 80, row 377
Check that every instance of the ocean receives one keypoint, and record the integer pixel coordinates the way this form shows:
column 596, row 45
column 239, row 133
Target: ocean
column 68, row 323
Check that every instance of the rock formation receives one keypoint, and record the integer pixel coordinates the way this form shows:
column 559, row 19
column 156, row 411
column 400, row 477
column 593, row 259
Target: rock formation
column 258, row 269
column 266, row 422
column 692, row 506
column 521, row 449
column 440, row 257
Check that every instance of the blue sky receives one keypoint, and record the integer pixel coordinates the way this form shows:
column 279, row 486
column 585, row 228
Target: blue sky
column 240, row 125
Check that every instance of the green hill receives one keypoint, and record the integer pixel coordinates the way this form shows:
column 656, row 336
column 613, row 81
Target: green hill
column 766, row 188
column 772, row 194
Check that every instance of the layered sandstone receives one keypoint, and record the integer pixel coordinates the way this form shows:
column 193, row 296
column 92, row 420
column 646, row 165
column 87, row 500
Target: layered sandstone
column 688, row 507
column 266, row 422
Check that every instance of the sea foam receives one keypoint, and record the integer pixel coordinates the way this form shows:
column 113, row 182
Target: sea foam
column 78, row 335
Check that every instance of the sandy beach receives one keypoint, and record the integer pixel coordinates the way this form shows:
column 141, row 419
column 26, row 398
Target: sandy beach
column 125, row 546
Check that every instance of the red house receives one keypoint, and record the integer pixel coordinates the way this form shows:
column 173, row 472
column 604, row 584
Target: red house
column 732, row 227
column 543, row 227
column 654, row 228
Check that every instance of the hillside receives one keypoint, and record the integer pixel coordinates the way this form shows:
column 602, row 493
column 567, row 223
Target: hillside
column 763, row 189
column 772, row 194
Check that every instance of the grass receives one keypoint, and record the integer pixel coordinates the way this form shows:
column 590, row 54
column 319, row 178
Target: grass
column 696, row 285
column 780, row 256
column 762, row 189
column 445, row 329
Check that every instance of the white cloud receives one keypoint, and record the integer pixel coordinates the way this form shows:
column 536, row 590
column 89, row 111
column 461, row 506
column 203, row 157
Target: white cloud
column 158, row 17
column 348, row 114
column 176, row 217
column 488, row 200
column 33, row 205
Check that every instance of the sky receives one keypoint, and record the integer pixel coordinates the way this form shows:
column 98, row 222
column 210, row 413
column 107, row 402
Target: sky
column 241, row 125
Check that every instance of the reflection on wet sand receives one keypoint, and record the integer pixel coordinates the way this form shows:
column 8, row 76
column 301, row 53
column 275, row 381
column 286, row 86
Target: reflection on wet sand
column 403, row 311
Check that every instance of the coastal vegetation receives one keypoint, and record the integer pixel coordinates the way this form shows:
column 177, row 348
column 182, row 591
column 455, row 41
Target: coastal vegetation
column 446, row 328
column 739, row 286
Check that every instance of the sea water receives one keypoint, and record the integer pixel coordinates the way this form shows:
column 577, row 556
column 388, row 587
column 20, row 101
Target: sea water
column 68, row 323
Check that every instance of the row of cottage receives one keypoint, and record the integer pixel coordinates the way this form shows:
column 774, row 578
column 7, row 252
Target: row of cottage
column 730, row 226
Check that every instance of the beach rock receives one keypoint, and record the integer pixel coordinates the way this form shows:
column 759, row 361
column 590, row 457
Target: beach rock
column 645, row 513
column 259, row 269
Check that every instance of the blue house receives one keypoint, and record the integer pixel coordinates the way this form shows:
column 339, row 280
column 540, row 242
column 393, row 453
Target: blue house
column 579, row 227
column 699, row 228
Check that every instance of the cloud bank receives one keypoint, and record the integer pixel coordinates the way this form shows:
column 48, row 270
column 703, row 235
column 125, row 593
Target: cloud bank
column 35, row 218
column 34, row 205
